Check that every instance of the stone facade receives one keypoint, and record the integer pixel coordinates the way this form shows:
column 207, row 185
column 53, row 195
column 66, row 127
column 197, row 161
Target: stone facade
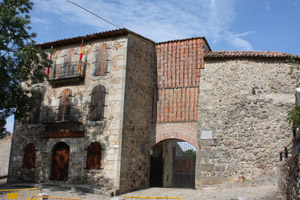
column 289, row 177
column 135, row 163
column 231, row 108
column 244, row 103
column 126, row 93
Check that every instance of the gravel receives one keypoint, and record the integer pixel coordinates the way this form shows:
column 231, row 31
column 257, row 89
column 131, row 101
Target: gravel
column 4, row 154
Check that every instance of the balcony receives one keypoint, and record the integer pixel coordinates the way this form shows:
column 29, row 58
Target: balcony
column 67, row 72
column 62, row 116
column 62, row 122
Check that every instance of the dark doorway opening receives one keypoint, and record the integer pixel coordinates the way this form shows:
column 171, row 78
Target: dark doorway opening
column 156, row 172
column 60, row 163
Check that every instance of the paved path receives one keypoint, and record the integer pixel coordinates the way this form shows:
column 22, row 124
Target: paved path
column 212, row 193
column 222, row 192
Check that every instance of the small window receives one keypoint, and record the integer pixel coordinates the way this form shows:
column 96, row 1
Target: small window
column 64, row 110
column 34, row 115
column 100, row 62
column 97, row 103
column 93, row 156
column 29, row 156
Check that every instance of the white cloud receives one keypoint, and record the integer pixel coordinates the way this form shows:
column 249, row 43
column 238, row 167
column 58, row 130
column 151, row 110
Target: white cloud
column 157, row 20
column 40, row 21
column 239, row 43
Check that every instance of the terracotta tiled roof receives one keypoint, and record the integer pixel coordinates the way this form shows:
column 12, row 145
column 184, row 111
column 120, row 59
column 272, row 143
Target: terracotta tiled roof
column 246, row 54
column 180, row 40
column 90, row 37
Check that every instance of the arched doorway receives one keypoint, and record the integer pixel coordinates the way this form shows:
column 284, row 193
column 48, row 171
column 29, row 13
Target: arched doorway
column 60, row 163
column 173, row 164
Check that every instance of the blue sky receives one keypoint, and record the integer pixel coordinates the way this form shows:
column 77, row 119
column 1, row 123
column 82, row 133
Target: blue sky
column 255, row 25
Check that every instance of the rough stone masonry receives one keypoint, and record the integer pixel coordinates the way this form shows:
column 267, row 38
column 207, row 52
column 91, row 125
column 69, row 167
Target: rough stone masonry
column 244, row 103
column 99, row 126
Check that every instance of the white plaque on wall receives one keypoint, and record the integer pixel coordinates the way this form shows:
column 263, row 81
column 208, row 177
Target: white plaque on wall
column 206, row 135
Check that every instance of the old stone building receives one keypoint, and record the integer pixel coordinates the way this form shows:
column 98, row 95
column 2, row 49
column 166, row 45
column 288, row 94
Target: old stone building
column 114, row 118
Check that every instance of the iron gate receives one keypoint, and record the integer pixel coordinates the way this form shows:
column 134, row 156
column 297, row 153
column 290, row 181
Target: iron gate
column 183, row 168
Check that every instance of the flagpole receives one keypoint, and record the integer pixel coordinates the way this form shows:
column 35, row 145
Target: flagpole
column 48, row 67
column 80, row 58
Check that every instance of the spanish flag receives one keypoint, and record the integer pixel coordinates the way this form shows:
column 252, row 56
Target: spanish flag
column 80, row 58
column 48, row 67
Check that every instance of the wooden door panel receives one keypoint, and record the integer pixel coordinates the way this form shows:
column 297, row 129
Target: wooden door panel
column 184, row 172
column 60, row 164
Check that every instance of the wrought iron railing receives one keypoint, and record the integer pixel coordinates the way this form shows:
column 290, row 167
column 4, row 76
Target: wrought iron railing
column 56, row 114
column 67, row 70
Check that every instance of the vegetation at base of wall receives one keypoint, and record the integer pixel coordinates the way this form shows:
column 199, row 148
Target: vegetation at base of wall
column 20, row 60
column 294, row 113
column 294, row 116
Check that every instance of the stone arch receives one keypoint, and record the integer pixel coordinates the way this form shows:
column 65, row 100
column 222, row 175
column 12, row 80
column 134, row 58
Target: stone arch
column 178, row 131
column 94, row 136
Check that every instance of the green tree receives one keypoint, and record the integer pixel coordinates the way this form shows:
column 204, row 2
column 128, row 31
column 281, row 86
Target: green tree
column 190, row 153
column 20, row 60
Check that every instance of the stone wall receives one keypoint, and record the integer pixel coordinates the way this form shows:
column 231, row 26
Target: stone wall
column 5, row 144
column 289, row 178
column 243, row 105
column 135, row 157
column 106, row 131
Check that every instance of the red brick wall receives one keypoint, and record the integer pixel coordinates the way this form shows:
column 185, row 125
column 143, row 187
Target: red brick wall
column 176, row 93
column 177, row 80
column 182, row 131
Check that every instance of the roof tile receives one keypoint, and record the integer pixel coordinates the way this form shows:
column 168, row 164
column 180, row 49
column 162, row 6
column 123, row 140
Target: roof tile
column 244, row 54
